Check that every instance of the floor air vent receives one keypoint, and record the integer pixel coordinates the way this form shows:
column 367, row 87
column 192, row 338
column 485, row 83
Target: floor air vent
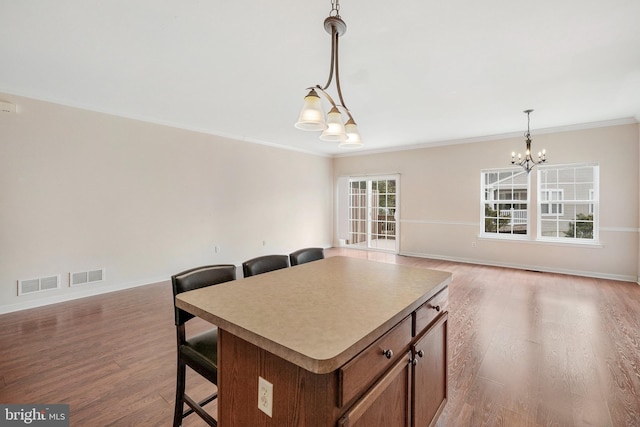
column 40, row 284
column 85, row 277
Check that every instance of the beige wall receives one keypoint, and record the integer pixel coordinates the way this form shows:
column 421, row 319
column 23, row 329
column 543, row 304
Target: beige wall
column 82, row 190
column 440, row 200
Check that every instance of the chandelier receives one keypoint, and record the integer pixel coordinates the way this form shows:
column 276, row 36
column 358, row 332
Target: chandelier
column 312, row 116
column 528, row 162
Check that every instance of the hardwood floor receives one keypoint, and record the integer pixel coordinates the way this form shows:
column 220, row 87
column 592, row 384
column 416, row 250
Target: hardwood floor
column 526, row 349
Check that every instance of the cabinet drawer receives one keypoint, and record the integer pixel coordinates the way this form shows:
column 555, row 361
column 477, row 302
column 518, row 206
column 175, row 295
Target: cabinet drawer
column 428, row 311
column 361, row 371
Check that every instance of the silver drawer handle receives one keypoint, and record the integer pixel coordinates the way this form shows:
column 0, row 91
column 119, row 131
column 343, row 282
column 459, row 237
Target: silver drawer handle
column 388, row 353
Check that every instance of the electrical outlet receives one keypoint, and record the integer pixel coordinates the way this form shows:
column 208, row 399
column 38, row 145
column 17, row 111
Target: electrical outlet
column 265, row 396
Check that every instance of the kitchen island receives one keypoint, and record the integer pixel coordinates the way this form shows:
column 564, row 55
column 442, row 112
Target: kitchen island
column 340, row 341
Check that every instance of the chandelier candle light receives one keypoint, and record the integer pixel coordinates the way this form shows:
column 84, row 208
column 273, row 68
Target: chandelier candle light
column 312, row 116
column 528, row 163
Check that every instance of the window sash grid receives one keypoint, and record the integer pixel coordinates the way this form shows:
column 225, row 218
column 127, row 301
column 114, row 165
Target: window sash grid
column 505, row 202
column 576, row 219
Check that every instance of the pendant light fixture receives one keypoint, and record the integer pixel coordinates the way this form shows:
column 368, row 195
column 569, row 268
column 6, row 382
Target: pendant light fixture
column 312, row 115
column 528, row 162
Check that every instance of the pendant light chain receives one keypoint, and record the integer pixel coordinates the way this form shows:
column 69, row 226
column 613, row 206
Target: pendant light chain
column 335, row 7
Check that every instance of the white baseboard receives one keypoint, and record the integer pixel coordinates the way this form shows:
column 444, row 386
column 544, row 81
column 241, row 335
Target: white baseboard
column 70, row 296
column 594, row 274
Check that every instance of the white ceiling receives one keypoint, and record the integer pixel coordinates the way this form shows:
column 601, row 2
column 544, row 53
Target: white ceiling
column 412, row 72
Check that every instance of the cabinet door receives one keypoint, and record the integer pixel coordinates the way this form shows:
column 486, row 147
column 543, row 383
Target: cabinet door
column 386, row 403
column 429, row 393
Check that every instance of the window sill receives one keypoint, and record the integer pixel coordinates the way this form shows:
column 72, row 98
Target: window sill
column 574, row 243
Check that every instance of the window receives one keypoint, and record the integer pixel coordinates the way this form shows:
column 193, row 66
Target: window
column 505, row 202
column 568, row 202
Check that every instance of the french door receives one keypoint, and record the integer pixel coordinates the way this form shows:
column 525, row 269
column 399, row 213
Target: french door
column 373, row 212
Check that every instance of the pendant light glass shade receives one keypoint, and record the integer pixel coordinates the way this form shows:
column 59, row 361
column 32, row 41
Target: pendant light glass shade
column 353, row 136
column 335, row 128
column 312, row 116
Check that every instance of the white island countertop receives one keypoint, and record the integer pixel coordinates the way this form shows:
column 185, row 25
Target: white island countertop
column 317, row 315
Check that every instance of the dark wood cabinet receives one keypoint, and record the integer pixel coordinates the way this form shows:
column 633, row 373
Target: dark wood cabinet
column 429, row 389
column 387, row 402
column 413, row 392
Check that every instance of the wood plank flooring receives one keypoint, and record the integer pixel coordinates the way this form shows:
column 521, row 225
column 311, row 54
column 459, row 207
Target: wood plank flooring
column 526, row 349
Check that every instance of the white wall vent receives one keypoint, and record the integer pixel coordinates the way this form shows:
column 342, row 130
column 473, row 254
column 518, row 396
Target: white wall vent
column 40, row 284
column 85, row 277
column 7, row 107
